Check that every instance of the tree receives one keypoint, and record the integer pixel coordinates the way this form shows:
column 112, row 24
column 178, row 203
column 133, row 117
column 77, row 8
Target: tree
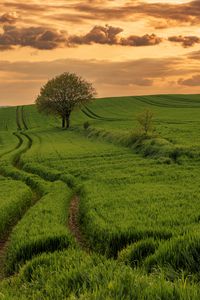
column 62, row 94
column 145, row 120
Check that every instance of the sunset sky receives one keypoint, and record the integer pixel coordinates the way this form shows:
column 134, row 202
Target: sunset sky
column 125, row 47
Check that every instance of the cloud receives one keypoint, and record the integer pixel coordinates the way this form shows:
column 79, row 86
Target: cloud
column 194, row 55
column 110, row 35
column 44, row 38
column 21, row 81
column 26, row 6
column 186, row 41
column 192, row 81
column 177, row 13
column 160, row 14
column 47, row 39
column 35, row 37
column 98, row 34
column 145, row 40
column 8, row 18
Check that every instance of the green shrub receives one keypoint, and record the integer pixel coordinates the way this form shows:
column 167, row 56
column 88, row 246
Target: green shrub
column 86, row 125
column 145, row 119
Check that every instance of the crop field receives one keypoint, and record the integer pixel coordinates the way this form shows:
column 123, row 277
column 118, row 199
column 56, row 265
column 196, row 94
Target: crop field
column 95, row 212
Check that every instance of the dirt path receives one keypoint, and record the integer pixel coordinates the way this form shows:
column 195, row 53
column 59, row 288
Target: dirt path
column 74, row 225
column 3, row 248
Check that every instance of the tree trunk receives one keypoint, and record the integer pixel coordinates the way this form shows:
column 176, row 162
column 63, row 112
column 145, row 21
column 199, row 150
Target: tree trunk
column 63, row 122
column 67, row 121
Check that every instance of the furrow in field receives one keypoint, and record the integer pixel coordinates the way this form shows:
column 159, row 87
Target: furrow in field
column 15, row 162
column 27, row 239
column 19, row 143
column 23, row 118
column 89, row 113
column 53, row 176
column 74, row 225
column 18, row 122
column 5, row 240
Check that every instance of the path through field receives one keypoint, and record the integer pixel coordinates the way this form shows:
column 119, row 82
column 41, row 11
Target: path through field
column 74, row 225
column 15, row 162
column 24, row 145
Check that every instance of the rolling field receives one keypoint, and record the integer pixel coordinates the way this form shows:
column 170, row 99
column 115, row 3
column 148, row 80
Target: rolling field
column 95, row 212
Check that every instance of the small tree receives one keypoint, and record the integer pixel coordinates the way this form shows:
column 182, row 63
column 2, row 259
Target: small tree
column 145, row 120
column 62, row 94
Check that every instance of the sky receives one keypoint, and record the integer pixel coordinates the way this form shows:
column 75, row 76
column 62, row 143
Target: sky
column 124, row 47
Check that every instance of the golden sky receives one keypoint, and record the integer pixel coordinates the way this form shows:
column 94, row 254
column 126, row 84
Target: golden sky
column 125, row 47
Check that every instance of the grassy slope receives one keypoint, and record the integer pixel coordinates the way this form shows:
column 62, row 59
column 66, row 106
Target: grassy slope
column 126, row 197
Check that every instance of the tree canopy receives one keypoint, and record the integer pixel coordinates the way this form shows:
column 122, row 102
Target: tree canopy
column 62, row 94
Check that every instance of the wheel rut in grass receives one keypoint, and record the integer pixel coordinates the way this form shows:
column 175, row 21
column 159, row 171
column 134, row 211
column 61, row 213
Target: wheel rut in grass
column 15, row 162
column 73, row 219
column 4, row 242
column 25, row 143
column 18, row 118
column 3, row 248
column 23, row 118
column 74, row 225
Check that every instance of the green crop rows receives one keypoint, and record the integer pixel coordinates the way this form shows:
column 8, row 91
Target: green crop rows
column 139, row 201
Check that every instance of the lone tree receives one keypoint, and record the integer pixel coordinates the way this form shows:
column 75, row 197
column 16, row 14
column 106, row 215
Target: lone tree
column 62, row 94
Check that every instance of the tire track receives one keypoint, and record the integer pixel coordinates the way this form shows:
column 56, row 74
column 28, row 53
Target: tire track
column 15, row 162
column 4, row 242
column 73, row 218
column 18, row 118
column 19, row 143
column 23, row 118
column 74, row 225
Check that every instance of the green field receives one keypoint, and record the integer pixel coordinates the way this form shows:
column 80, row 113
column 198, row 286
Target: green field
column 99, row 212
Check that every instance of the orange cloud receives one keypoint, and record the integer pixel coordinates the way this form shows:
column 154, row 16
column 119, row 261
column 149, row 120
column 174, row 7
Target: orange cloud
column 145, row 40
column 8, row 18
column 98, row 34
column 133, row 76
column 192, row 81
column 179, row 13
column 35, row 37
column 48, row 39
column 186, row 41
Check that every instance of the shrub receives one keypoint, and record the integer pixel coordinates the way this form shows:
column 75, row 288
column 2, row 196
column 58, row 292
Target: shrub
column 145, row 120
column 86, row 125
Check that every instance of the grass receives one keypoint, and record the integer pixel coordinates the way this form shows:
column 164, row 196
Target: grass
column 139, row 201
column 42, row 229
column 110, row 173
column 75, row 275
column 15, row 198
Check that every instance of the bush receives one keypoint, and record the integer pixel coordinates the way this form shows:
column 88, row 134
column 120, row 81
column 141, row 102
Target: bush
column 86, row 125
column 145, row 120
